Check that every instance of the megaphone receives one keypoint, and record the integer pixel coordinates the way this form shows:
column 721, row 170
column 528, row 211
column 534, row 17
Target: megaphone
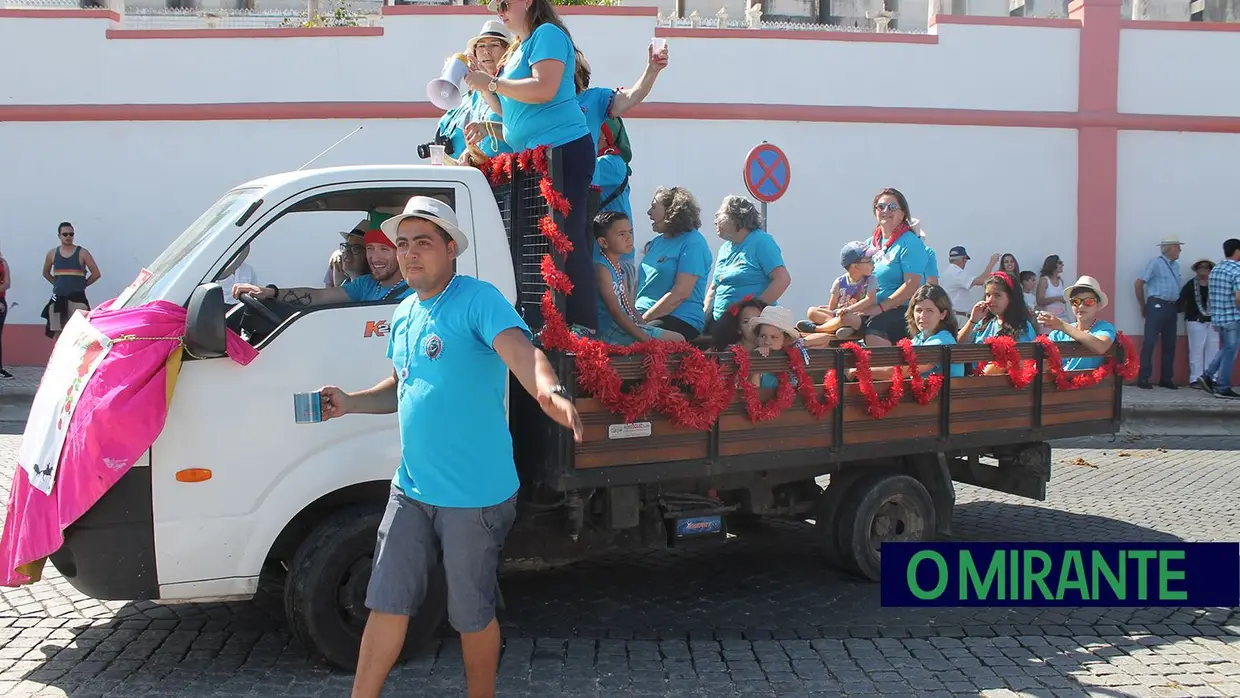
column 445, row 91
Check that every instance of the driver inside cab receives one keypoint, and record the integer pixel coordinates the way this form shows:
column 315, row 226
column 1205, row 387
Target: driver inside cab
column 383, row 283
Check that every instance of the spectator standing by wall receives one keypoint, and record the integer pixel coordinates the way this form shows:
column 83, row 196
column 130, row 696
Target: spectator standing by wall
column 1203, row 340
column 69, row 268
column 1225, row 315
column 1158, row 294
column 959, row 283
column 536, row 94
column 5, row 282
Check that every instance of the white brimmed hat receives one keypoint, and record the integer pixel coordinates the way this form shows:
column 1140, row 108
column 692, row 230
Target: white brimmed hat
column 493, row 29
column 432, row 210
column 1087, row 283
column 777, row 317
column 1170, row 240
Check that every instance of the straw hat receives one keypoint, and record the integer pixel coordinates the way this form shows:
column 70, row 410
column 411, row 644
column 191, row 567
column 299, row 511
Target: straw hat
column 1202, row 261
column 1170, row 240
column 777, row 317
column 1087, row 283
column 491, row 30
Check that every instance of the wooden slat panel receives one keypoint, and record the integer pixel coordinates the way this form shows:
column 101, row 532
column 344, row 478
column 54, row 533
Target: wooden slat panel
column 1090, row 412
column 794, row 429
column 908, row 420
column 972, row 423
column 1103, row 392
column 666, row 441
column 660, row 454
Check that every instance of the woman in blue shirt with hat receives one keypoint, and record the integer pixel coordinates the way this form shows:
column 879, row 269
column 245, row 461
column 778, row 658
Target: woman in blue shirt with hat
column 537, row 96
column 473, row 122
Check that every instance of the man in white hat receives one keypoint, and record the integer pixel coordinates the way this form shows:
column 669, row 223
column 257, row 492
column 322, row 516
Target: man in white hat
column 1158, row 295
column 454, row 495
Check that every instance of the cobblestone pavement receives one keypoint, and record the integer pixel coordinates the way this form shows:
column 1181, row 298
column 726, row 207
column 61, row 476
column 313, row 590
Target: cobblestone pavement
column 760, row 615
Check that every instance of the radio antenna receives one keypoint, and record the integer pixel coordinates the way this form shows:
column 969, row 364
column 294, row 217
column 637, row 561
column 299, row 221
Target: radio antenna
column 329, row 148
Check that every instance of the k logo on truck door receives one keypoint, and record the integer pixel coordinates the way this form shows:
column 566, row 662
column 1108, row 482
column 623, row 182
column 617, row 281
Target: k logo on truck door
column 376, row 328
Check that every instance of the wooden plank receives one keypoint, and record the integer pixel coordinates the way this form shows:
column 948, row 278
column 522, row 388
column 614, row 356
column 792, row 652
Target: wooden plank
column 653, row 454
column 972, row 423
column 1089, row 412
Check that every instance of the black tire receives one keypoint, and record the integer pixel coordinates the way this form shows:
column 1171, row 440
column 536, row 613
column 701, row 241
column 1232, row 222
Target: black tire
column 325, row 592
column 877, row 509
column 826, row 517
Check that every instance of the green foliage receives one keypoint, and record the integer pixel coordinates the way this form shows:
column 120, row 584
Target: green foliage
column 341, row 15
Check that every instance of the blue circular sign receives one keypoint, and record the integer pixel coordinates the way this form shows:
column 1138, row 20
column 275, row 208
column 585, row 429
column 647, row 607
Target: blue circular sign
column 767, row 173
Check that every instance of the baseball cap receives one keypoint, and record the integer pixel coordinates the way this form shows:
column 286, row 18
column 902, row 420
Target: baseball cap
column 853, row 252
column 433, row 210
column 958, row 252
column 376, row 237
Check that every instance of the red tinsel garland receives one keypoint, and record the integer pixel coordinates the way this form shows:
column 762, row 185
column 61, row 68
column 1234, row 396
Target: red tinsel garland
column 924, row 389
column 1007, row 357
column 699, row 389
column 1003, row 349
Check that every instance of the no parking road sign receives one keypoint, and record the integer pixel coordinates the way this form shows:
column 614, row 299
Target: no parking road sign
column 767, row 173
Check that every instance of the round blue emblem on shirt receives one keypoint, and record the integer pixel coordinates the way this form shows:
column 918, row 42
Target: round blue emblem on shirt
column 432, row 346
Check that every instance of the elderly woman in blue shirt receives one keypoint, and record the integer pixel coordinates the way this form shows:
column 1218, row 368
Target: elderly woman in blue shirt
column 473, row 127
column 750, row 262
column 901, row 263
column 537, row 96
column 675, row 265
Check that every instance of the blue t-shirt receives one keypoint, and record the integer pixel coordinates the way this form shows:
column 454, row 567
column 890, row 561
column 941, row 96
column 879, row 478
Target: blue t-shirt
column 455, row 447
column 364, row 289
column 472, row 109
column 991, row 327
column 610, row 172
column 932, row 265
column 744, row 269
column 556, row 122
column 664, row 258
column 1101, row 329
column 937, row 339
column 622, row 287
column 596, row 106
column 907, row 255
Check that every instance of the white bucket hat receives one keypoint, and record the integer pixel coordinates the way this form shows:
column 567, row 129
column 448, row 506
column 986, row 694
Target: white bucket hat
column 493, row 29
column 778, row 317
column 432, row 210
column 1087, row 283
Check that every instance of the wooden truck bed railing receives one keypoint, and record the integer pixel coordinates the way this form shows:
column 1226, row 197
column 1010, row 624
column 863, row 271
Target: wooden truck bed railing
column 974, row 412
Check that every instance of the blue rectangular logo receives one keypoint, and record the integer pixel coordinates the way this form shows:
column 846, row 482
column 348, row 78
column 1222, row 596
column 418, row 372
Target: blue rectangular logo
column 1061, row 574
column 698, row 526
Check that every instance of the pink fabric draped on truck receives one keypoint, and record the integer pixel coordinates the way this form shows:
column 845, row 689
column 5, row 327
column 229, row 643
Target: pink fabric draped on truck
column 117, row 416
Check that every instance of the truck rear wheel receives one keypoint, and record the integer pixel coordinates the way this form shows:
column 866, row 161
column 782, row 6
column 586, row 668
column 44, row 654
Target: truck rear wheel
column 325, row 591
column 881, row 509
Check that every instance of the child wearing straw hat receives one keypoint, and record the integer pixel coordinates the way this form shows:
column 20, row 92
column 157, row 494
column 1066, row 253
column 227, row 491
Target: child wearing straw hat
column 1086, row 299
column 774, row 329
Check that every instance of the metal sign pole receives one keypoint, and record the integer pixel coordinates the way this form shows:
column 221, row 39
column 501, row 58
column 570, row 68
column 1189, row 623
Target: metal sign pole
column 765, row 221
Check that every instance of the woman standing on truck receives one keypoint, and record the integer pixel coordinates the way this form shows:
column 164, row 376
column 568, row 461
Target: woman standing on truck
column 536, row 94
column 672, row 277
column 473, row 122
column 900, row 265
column 1087, row 300
column 750, row 262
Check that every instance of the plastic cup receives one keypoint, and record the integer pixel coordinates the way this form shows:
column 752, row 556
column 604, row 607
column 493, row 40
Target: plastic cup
column 657, row 45
column 437, row 154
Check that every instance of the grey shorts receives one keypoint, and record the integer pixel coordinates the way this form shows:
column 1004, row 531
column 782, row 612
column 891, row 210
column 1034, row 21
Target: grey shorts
column 414, row 538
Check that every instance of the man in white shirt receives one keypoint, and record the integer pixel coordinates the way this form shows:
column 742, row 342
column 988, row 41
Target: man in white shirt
column 237, row 273
column 959, row 283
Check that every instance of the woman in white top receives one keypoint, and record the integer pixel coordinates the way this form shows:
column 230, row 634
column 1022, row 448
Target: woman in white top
column 1051, row 288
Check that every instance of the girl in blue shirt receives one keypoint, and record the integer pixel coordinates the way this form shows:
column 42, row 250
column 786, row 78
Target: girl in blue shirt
column 900, row 264
column 931, row 322
column 675, row 265
column 1002, row 313
column 537, row 96
column 750, row 262
column 1087, row 300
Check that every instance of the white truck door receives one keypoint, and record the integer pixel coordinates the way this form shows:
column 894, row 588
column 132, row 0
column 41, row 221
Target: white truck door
column 212, row 537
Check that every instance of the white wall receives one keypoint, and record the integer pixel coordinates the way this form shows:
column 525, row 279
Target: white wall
column 1171, row 184
column 1179, row 72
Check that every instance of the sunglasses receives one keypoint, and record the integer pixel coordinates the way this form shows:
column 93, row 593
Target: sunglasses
column 501, row 6
column 883, row 208
column 66, row 235
column 1087, row 302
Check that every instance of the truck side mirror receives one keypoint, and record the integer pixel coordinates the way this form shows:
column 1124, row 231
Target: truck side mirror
column 206, row 335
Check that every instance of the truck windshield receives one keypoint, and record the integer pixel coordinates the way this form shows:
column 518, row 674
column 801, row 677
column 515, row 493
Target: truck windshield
column 166, row 267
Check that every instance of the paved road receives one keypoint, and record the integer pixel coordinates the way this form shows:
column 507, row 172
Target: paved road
column 759, row 616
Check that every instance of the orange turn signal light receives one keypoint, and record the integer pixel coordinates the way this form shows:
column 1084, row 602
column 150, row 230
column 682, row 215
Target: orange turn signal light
column 193, row 475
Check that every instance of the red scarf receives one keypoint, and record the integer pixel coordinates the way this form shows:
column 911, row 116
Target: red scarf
column 895, row 235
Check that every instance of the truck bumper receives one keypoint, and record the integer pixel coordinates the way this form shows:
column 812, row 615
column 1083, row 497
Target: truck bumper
column 109, row 553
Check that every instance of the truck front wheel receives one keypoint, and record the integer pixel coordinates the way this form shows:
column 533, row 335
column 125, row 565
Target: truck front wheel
column 881, row 509
column 325, row 591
